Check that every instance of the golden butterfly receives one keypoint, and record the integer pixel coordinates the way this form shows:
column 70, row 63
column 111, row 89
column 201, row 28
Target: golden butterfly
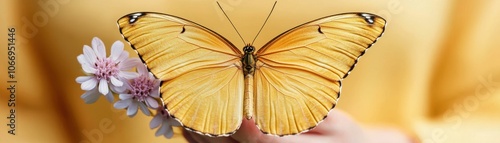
column 287, row 87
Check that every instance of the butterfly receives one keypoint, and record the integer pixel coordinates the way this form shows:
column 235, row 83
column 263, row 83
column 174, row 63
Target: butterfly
column 287, row 87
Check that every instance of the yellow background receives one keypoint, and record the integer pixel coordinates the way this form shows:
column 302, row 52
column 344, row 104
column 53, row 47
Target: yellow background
column 434, row 73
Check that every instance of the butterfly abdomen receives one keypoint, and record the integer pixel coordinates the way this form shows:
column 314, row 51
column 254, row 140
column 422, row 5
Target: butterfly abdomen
column 248, row 97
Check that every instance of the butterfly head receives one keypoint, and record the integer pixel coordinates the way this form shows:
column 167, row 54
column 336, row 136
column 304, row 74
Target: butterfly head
column 248, row 49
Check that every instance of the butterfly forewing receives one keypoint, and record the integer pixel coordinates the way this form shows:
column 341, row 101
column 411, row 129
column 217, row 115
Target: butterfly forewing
column 202, row 81
column 298, row 74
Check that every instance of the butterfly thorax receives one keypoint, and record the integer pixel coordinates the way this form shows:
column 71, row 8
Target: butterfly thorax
column 248, row 60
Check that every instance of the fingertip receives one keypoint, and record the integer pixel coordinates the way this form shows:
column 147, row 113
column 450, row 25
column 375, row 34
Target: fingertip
column 247, row 126
column 192, row 137
column 248, row 131
column 337, row 121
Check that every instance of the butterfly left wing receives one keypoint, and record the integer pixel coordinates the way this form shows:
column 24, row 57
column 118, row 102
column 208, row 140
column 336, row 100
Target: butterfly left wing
column 202, row 81
column 298, row 74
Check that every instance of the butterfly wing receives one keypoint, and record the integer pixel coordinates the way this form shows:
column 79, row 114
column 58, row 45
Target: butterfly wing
column 202, row 81
column 298, row 74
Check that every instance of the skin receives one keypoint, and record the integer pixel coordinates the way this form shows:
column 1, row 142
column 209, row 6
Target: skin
column 338, row 127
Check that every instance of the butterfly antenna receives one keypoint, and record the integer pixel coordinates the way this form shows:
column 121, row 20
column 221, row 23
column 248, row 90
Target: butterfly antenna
column 264, row 22
column 231, row 22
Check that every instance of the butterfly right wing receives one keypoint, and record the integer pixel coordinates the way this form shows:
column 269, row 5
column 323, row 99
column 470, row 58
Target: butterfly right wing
column 298, row 74
column 202, row 81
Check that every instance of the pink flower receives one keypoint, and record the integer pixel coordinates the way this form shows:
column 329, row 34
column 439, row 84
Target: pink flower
column 104, row 73
column 142, row 93
column 166, row 121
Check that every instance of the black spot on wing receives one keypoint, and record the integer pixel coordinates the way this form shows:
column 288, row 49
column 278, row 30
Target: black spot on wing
column 133, row 17
column 319, row 29
column 183, row 30
column 369, row 18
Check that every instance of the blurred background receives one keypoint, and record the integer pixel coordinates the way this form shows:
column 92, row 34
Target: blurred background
column 435, row 73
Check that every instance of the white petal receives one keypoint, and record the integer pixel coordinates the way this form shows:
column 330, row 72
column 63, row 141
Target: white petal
column 142, row 70
column 128, row 75
column 126, row 81
column 89, row 84
column 151, row 76
column 169, row 133
column 144, row 109
column 88, row 68
column 155, row 92
column 151, row 102
column 110, row 97
column 125, row 96
column 82, row 79
column 81, row 59
column 122, row 104
column 88, row 93
column 118, row 89
column 90, row 97
column 157, row 82
column 116, row 50
column 156, row 121
column 99, row 48
column 103, row 87
column 89, row 54
column 162, row 130
column 173, row 122
column 129, row 64
column 122, row 57
column 115, row 81
column 132, row 109
column 123, row 89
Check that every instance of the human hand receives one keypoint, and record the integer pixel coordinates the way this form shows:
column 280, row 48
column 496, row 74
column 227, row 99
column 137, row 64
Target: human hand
column 338, row 127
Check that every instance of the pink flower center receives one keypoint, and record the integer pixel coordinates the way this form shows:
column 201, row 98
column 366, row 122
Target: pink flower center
column 164, row 113
column 141, row 87
column 105, row 69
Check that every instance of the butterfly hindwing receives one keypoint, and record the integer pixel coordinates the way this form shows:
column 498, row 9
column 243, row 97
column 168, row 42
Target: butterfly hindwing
column 298, row 74
column 202, row 81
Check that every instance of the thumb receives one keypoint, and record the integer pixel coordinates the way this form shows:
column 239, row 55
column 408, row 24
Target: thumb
column 248, row 132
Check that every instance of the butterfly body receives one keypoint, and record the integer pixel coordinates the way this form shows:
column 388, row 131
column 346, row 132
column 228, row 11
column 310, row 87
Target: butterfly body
column 248, row 62
column 287, row 87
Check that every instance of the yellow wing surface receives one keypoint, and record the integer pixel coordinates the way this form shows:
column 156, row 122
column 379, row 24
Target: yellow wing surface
column 202, row 81
column 298, row 74
column 297, row 77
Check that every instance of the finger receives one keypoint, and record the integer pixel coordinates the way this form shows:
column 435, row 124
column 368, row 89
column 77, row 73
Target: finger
column 302, row 138
column 192, row 137
column 197, row 138
column 388, row 135
column 340, row 127
column 249, row 133
column 337, row 122
column 220, row 139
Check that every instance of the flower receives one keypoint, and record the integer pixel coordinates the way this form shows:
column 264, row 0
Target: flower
column 102, row 71
column 142, row 92
column 162, row 117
